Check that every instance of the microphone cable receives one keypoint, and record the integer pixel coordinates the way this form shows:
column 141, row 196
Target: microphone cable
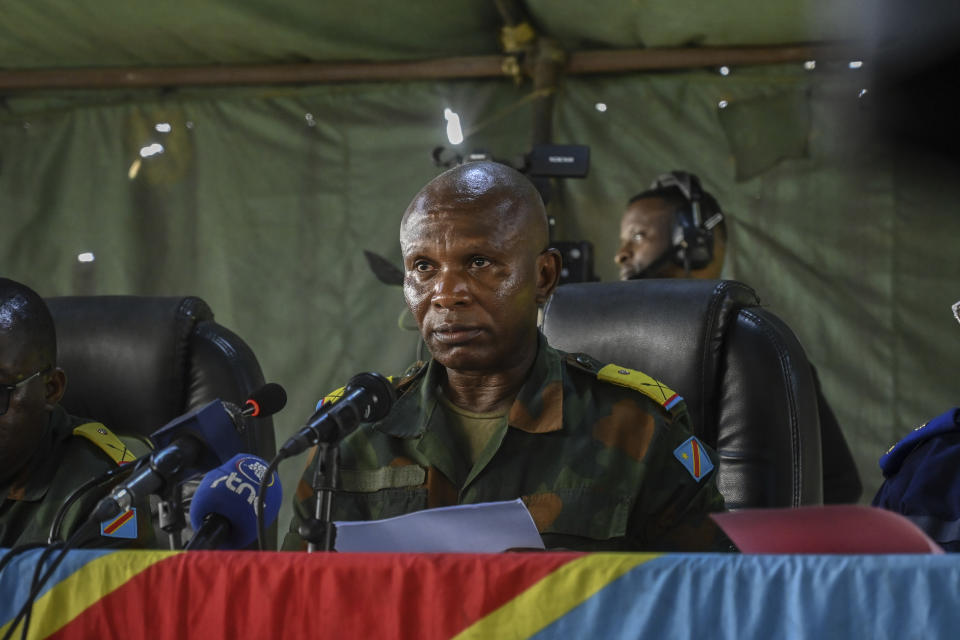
column 14, row 551
column 39, row 581
column 267, row 475
column 35, row 585
column 75, row 495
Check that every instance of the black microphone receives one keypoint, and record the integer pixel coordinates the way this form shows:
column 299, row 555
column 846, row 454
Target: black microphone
column 265, row 401
column 192, row 443
column 368, row 397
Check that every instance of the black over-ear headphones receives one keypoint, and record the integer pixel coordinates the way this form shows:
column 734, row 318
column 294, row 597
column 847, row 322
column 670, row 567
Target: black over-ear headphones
column 693, row 223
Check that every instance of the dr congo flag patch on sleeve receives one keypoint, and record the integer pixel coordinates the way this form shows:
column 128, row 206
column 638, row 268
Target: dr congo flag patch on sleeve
column 123, row 526
column 694, row 458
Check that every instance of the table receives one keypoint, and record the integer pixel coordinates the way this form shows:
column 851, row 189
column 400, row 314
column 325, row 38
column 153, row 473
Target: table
column 223, row 594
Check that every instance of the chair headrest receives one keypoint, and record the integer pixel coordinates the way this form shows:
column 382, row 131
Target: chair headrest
column 126, row 357
column 672, row 330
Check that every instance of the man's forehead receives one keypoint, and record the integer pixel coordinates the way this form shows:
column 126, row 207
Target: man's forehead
column 648, row 210
column 452, row 223
column 15, row 355
column 478, row 199
column 500, row 207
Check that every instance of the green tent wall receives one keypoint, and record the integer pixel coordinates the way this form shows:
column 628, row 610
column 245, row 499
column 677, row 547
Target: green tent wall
column 264, row 197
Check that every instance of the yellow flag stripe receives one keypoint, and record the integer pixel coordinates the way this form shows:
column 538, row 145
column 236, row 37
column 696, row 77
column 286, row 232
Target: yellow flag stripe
column 554, row 596
column 73, row 595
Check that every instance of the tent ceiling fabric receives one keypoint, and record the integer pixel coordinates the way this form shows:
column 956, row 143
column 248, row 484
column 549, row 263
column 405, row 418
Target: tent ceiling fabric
column 45, row 34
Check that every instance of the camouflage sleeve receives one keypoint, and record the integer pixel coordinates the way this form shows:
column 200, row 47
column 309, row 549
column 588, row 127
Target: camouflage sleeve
column 677, row 495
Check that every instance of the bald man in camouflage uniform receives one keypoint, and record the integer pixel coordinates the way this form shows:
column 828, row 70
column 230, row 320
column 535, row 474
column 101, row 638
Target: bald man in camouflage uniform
column 601, row 455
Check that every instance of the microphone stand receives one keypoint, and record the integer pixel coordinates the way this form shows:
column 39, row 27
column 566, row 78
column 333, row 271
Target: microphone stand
column 319, row 531
column 170, row 516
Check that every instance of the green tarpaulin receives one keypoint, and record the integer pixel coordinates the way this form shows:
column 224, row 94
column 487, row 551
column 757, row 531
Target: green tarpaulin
column 261, row 200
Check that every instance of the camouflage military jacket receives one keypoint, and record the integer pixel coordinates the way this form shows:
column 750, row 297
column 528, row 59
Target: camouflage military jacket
column 599, row 465
column 63, row 462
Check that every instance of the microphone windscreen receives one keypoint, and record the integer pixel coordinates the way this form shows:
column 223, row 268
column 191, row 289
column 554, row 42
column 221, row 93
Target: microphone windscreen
column 378, row 394
column 213, row 426
column 267, row 400
column 230, row 490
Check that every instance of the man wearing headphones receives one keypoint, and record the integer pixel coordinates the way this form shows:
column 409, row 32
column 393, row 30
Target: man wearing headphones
column 675, row 229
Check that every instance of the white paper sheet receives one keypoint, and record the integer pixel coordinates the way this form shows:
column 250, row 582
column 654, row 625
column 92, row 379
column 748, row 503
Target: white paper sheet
column 487, row 527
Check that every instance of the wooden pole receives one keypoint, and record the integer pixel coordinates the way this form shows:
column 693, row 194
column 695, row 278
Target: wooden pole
column 578, row 63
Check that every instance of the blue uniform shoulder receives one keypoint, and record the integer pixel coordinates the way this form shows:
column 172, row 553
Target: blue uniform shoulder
column 946, row 422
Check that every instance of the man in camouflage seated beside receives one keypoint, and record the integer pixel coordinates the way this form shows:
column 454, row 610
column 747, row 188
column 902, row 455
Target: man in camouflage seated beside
column 46, row 454
column 601, row 455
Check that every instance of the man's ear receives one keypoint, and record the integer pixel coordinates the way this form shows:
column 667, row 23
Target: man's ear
column 548, row 274
column 56, row 386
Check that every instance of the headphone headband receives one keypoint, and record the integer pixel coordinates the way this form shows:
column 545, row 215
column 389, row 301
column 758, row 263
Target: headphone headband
column 687, row 183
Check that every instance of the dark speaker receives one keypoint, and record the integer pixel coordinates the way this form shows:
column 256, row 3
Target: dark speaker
column 577, row 261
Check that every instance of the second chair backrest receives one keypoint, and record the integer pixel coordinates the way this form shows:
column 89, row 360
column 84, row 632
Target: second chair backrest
column 745, row 377
column 134, row 363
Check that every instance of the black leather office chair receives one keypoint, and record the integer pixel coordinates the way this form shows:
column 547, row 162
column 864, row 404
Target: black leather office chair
column 744, row 375
column 134, row 363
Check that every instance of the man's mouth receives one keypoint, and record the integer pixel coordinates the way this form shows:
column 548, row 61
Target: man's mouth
column 454, row 334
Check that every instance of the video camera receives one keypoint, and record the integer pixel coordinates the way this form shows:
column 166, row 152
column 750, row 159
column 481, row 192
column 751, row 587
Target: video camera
column 543, row 161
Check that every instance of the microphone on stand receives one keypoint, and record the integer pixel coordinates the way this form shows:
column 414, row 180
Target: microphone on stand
column 264, row 402
column 192, row 443
column 368, row 397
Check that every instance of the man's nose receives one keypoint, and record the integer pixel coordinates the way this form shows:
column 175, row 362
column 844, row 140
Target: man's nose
column 450, row 289
column 623, row 255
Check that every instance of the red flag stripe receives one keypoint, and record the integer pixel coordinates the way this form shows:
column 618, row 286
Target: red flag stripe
column 409, row 596
column 696, row 459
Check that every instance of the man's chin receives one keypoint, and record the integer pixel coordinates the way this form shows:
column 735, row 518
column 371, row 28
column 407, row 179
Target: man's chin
column 461, row 357
column 462, row 362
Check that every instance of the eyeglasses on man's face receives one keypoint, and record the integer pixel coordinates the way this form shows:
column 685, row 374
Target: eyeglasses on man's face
column 7, row 389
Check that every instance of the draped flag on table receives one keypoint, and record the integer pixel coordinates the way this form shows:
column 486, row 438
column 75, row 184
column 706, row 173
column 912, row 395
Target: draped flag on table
column 102, row 594
column 213, row 595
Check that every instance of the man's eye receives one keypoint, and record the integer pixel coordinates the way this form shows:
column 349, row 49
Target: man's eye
column 479, row 261
column 421, row 266
column 640, row 235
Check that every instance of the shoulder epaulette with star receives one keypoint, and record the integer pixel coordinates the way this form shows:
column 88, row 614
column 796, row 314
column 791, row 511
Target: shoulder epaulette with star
column 660, row 393
column 108, row 442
